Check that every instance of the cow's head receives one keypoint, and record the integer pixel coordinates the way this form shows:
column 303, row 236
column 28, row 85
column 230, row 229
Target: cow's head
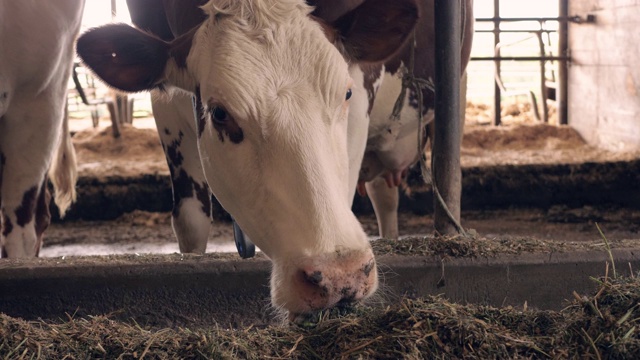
column 272, row 92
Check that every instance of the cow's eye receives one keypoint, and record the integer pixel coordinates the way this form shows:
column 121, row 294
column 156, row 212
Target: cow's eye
column 349, row 93
column 219, row 115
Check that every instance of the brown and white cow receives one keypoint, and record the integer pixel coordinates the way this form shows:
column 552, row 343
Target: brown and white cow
column 392, row 144
column 36, row 55
column 271, row 88
column 382, row 148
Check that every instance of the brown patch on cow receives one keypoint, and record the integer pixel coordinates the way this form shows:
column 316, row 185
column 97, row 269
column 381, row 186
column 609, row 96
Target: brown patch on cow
column 43, row 215
column 182, row 188
column 185, row 187
column 181, row 47
column 172, row 151
column 235, row 133
column 25, row 212
column 203, row 195
column 7, row 226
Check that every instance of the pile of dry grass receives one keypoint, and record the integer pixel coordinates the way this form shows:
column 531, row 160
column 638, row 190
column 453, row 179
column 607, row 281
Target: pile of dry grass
column 604, row 325
column 471, row 246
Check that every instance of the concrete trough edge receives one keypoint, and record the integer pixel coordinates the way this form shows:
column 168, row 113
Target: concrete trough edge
column 204, row 291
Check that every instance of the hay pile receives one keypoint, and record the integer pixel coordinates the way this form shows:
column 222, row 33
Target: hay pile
column 471, row 246
column 604, row 325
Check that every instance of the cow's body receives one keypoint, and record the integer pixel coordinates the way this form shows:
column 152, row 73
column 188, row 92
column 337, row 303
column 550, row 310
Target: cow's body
column 36, row 55
column 271, row 92
column 392, row 144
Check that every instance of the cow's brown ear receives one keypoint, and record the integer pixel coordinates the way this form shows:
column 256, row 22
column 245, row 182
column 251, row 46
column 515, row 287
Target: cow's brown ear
column 375, row 30
column 123, row 57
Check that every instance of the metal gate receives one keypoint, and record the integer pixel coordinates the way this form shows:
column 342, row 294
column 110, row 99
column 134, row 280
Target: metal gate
column 554, row 88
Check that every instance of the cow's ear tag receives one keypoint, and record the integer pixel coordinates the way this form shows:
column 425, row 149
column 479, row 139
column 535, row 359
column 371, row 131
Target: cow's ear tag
column 245, row 247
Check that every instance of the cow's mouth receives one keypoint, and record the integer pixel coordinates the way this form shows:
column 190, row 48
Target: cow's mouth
column 312, row 319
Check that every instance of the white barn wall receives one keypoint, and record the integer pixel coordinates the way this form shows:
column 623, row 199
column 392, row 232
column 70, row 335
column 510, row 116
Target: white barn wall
column 604, row 75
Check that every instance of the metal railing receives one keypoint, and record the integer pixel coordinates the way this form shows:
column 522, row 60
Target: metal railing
column 563, row 58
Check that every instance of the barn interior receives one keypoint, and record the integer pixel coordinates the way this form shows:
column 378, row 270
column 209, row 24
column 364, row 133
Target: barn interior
column 550, row 163
column 542, row 157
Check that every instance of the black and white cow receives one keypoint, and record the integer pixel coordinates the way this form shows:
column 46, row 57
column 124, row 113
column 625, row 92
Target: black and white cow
column 36, row 55
column 271, row 87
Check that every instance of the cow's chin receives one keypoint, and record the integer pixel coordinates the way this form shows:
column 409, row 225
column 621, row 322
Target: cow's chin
column 308, row 284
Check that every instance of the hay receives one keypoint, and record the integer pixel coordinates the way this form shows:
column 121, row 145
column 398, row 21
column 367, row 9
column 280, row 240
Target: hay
column 468, row 247
column 603, row 325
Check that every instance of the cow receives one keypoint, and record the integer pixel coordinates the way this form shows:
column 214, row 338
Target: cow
column 392, row 142
column 381, row 148
column 36, row 54
column 271, row 90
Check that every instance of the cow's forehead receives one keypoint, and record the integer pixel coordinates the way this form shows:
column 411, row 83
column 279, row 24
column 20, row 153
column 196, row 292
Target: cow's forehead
column 247, row 60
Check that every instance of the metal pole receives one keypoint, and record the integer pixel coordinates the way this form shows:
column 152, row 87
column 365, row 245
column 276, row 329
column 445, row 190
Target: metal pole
column 497, row 119
column 543, row 78
column 114, row 10
column 447, row 139
column 563, row 71
column 520, row 58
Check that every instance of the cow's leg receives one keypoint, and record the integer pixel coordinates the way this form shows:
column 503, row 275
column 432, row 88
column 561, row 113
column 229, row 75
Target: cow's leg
column 28, row 134
column 191, row 215
column 42, row 213
column 385, row 203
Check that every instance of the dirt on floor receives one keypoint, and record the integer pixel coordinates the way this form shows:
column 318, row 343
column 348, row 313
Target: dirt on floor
column 137, row 151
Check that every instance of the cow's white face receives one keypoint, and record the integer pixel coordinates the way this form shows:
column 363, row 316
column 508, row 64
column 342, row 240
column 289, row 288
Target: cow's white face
column 272, row 96
column 274, row 93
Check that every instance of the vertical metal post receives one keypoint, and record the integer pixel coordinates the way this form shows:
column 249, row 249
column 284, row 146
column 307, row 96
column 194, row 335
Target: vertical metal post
column 543, row 77
column 447, row 139
column 563, row 71
column 497, row 120
column 114, row 10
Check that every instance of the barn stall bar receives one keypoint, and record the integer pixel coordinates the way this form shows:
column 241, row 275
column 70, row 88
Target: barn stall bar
column 160, row 291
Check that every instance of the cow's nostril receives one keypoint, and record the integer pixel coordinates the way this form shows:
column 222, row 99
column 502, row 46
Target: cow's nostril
column 314, row 278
